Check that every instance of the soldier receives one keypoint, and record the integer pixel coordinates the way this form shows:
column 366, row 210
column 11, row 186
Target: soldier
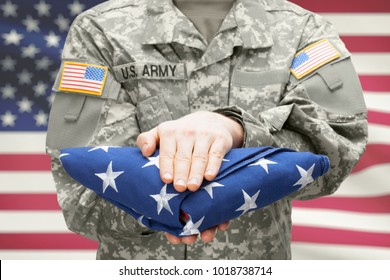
column 195, row 79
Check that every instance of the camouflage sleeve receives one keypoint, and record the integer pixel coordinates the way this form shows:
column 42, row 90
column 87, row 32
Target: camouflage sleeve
column 77, row 119
column 323, row 112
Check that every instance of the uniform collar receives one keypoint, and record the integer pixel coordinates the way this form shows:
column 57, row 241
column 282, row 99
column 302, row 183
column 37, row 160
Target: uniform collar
column 252, row 22
column 166, row 24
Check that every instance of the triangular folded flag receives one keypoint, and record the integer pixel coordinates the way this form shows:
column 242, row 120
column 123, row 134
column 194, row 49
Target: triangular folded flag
column 249, row 179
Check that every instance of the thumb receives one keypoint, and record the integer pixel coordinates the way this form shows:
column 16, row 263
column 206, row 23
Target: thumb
column 147, row 142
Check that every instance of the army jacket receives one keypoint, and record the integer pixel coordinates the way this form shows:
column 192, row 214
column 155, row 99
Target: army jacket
column 160, row 68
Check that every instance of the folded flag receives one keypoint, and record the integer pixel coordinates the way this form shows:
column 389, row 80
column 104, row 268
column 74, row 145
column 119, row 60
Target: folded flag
column 249, row 179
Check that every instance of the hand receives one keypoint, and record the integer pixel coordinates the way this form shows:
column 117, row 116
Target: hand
column 206, row 236
column 191, row 148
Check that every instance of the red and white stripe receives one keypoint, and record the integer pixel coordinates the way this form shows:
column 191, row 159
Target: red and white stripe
column 73, row 78
column 351, row 224
column 318, row 54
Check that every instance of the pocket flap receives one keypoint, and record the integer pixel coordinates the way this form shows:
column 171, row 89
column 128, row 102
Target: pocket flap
column 254, row 79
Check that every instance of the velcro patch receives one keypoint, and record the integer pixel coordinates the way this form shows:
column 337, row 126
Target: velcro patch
column 83, row 78
column 312, row 58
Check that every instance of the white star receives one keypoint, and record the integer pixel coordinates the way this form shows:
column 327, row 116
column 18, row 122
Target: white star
column 8, row 64
column 109, row 178
column 43, row 63
column 104, row 148
column 40, row 89
column 25, row 105
column 52, row 40
column 30, row 52
column 162, row 199
column 53, row 75
column 24, row 77
column 306, row 177
column 12, row 37
column 62, row 23
column 42, row 8
column 8, row 119
column 249, row 202
column 31, row 24
column 190, row 228
column 9, row 9
column 8, row 92
column 76, row 8
column 209, row 188
column 263, row 163
column 153, row 161
column 41, row 118
column 50, row 99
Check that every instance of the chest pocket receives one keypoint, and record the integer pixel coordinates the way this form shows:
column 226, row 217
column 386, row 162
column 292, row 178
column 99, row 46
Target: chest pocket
column 256, row 92
column 158, row 90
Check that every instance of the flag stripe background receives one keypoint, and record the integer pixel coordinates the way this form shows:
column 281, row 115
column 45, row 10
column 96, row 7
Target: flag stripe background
column 374, row 155
column 24, row 162
column 379, row 118
column 42, row 241
column 364, row 27
column 380, row 83
column 367, row 44
column 345, row 6
column 29, row 201
column 376, row 204
column 362, row 24
column 338, row 236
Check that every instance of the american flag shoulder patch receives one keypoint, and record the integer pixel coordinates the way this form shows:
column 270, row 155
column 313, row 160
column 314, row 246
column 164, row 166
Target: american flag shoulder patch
column 313, row 57
column 83, row 78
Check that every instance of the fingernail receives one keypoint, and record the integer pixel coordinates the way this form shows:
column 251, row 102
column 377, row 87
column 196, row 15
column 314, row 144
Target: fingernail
column 167, row 176
column 209, row 172
column 180, row 182
column 193, row 181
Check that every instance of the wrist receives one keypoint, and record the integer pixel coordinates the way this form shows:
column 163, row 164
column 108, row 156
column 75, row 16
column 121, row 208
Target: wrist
column 235, row 129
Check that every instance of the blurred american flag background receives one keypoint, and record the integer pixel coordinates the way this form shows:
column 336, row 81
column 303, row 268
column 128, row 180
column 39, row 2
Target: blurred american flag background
column 354, row 223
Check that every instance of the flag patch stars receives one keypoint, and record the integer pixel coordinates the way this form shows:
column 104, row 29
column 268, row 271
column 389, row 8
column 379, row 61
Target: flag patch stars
column 83, row 78
column 162, row 199
column 109, row 177
column 313, row 57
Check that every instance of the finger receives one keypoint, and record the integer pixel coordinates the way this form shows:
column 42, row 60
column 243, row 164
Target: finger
column 216, row 154
column 147, row 142
column 189, row 239
column 182, row 163
column 172, row 239
column 167, row 155
column 208, row 235
column 224, row 226
column 199, row 163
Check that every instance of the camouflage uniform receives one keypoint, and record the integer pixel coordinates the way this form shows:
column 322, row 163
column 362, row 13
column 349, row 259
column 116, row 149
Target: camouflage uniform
column 161, row 68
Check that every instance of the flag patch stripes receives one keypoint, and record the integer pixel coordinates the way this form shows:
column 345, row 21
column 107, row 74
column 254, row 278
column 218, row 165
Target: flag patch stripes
column 85, row 78
column 313, row 57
